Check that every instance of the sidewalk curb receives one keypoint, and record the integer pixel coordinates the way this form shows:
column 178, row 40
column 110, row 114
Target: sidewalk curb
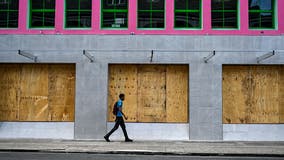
column 143, row 153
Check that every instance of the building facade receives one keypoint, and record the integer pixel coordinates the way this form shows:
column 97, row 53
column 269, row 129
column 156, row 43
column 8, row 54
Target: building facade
column 190, row 69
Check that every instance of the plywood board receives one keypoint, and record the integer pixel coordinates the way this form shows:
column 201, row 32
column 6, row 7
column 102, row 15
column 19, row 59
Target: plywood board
column 37, row 92
column 9, row 91
column 152, row 93
column 281, row 96
column 252, row 94
column 61, row 92
column 177, row 93
column 236, row 86
column 34, row 93
column 123, row 79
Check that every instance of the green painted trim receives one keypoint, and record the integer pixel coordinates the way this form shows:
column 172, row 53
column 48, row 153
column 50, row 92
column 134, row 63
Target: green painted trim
column 151, row 11
column 43, row 10
column 78, row 17
column 114, row 11
column 8, row 11
column 187, row 11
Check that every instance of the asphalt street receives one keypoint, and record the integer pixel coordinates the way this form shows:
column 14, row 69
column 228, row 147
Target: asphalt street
column 87, row 156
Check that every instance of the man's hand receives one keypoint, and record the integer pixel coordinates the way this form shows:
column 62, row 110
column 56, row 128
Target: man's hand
column 125, row 117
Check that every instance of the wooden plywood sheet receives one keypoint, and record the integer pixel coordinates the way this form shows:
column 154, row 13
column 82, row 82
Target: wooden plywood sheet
column 39, row 92
column 252, row 94
column 123, row 79
column 9, row 91
column 281, row 96
column 152, row 93
column 236, row 86
column 265, row 94
column 34, row 93
column 177, row 93
column 61, row 92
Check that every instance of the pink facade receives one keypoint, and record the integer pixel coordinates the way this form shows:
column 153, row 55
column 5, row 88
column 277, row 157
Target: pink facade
column 132, row 23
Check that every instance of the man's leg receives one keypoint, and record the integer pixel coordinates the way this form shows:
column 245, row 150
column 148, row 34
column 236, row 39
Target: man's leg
column 113, row 129
column 122, row 125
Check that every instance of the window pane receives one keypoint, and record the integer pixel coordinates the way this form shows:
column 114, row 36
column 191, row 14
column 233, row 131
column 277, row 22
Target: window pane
column 37, row 4
column 72, row 4
column 266, row 20
column 158, row 20
column 49, row 4
column 144, row 4
column 217, row 4
column 230, row 20
column 3, row 5
column 261, row 14
column 193, row 20
column 85, row 19
column 261, row 4
column 86, row 4
column 194, row 4
column 3, row 19
column 72, row 19
column 254, row 20
column 217, row 20
column 108, row 19
column 49, row 19
column 180, row 4
column 144, row 20
column 158, row 4
column 181, row 20
column 37, row 19
column 13, row 20
column 14, row 4
column 230, row 4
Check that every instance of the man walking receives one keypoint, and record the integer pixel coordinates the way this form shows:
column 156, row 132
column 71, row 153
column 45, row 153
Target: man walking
column 119, row 120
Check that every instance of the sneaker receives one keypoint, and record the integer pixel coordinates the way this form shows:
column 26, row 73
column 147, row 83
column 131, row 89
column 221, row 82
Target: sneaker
column 128, row 140
column 106, row 138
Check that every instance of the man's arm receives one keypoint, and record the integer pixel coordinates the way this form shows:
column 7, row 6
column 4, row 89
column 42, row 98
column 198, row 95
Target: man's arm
column 120, row 109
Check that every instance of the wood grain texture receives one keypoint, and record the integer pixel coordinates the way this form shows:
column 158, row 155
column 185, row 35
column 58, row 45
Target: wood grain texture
column 37, row 92
column 252, row 94
column 154, row 93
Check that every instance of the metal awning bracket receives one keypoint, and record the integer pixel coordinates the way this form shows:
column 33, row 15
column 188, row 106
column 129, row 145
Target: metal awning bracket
column 28, row 55
column 89, row 56
column 265, row 56
column 211, row 55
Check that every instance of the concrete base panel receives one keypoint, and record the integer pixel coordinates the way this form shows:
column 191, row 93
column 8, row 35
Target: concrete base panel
column 151, row 131
column 35, row 130
column 253, row 132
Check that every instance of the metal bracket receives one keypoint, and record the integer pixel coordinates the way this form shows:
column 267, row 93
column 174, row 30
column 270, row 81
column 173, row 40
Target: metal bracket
column 27, row 55
column 206, row 59
column 265, row 56
column 89, row 56
column 152, row 55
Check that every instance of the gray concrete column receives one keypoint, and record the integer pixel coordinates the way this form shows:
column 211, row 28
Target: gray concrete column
column 205, row 101
column 91, row 100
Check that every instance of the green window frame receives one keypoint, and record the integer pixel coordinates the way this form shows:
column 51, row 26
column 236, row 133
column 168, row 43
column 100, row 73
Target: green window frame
column 261, row 17
column 42, row 14
column 114, row 14
column 225, row 16
column 78, row 13
column 151, row 14
column 188, row 14
column 9, row 13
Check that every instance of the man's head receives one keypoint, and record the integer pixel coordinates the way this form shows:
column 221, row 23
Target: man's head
column 122, row 96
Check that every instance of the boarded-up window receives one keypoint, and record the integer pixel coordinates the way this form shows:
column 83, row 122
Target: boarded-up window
column 37, row 92
column 154, row 93
column 253, row 94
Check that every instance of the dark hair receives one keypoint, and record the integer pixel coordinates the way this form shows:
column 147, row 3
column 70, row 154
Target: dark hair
column 121, row 95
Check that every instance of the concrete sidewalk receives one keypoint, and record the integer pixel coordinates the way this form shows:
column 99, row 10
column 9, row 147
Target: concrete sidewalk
column 145, row 147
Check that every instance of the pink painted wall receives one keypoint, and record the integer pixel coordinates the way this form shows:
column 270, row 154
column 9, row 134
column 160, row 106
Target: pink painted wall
column 169, row 29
